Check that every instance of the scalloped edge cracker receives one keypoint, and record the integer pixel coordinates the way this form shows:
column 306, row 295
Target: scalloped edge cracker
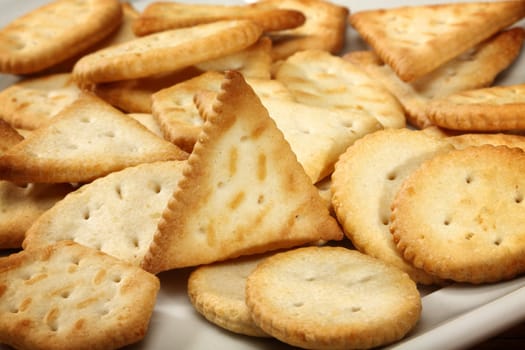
column 88, row 139
column 241, row 167
column 415, row 40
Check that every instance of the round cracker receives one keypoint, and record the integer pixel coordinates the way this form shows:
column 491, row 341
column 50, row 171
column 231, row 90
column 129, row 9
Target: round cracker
column 460, row 215
column 365, row 181
column 332, row 298
column 217, row 292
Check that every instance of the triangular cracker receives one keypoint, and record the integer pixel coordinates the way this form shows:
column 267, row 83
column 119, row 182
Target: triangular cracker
column 415, row 40
column 476, row 68
column 87, row 140
column 243, row 191
column 104, row 214
column 32, row 103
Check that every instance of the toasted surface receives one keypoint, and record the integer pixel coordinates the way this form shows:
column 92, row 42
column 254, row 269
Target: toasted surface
column 415, row 40
column 319, row 78
column 166, row 51
column 70, row 296
column 495, row 139
column 22, row 205
column 24, row 43
column 104, row 214
column 366, row 180
column 490, row 109
column 64, row 152
column 240, row 168
column 474, row 69
column 332, row 298
column 324, row 28
column 8, row 136
column 32, row 103
column 161, row 15
column 466, row 204
column 217, row 291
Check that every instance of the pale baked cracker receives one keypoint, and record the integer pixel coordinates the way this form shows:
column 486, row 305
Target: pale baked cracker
column 495, row 139
column 365, row 181
column 217, row 291
column 178, row 116
column 332, row 298
column 9, row 136
column 33, row 102
column 48, row 35
column 166, row 51
column 22, row 204
column 226, row 203
column 473, row 69
column 318, row 136
column 148, row 121
column 490, row 109
column 162, row 15
column 324, row 28
column 106, row 215
column 321, row 79
column 87, row 140
column 415, row 40
column 67, row 296
column 459, row 216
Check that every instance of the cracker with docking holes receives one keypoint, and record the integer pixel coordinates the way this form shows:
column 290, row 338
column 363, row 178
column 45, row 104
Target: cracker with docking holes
column 89, row 139
column 459, row 215
column 32, row 103
column 321, row 79
column 217, row 291
column 167, row 51
column 104, row 214
column 416, row 40
column 495, row 108
column 332, row 298
column 67, row 296
column 365, row 181
column 159, row 16
column 26, row 45
column 476, row 68
column 135, row 95
column 324, row 28
column 226, row 204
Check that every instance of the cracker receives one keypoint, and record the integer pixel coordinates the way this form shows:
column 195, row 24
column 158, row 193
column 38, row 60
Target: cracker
column 87, row 140
column 321, row 79
column 32, row 103
column 25, row 45
column 495, row 139
column 324, row 28
column 160, row 16
column 416, row 40
column 459, row 215
column 332, row 298
column 217, row 292
column 166, row 51
column 148, row 121
column 8, row 136
column 490, row 109
column 104, row 214
column 22, row 204
column 318, row 136
column 67, row 296
column 365, row 181
column 476, row 68
column 225, row 205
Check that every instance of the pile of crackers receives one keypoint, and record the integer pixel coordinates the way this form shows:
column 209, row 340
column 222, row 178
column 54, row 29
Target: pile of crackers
column 310, row 188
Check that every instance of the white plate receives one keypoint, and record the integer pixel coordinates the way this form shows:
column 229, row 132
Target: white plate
column 454, row 317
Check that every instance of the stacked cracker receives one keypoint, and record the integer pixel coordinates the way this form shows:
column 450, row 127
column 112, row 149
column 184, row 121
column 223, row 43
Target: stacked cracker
column 198, row 134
